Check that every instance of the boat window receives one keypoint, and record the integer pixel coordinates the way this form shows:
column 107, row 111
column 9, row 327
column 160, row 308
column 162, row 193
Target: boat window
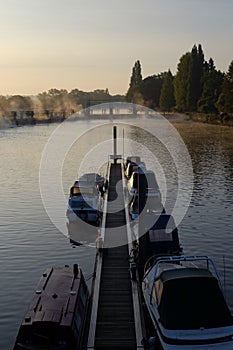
column 75, row 190
column 79, row 204
column 160, row 235
column 78, row 322
column 133, row 159
column 82, row 295
column 193, row 303
column 158, row 291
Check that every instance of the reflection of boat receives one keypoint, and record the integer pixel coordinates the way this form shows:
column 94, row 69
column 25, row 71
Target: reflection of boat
column 80, row 232
column 56, row 317
column 186, row 304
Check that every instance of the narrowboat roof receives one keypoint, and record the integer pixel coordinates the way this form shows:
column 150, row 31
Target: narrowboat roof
column 55, row 297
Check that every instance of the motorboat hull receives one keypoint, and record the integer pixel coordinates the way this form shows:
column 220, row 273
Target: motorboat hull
column 195, row 320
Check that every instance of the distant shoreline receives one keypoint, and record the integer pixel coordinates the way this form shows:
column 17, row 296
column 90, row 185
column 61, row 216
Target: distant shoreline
column 173, row 117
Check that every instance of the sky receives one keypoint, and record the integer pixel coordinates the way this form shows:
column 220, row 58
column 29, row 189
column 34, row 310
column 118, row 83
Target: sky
column 93, row 44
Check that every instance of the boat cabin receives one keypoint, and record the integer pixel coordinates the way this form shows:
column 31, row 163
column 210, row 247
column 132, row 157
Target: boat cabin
column 95, row 179
column 57, row 314
column 161, row 235
column 144, row 183
column 132, row 167
column 89, row 183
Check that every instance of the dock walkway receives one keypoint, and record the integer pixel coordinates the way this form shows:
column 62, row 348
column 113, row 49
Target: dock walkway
column 115, row 324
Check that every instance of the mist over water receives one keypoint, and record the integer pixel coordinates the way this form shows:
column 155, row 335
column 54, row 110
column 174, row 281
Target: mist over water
column 29, row 242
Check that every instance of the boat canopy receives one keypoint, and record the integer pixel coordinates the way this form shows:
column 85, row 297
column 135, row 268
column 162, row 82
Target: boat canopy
column 191, row 298
column 161, row 229
column 158, row 222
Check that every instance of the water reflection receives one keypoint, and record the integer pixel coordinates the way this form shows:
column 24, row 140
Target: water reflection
column 29, row 242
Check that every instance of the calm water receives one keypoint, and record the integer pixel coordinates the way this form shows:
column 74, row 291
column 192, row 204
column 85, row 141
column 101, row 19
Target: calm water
column 29, row 242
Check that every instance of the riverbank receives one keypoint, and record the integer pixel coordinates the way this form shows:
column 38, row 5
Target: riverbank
column 215, row 119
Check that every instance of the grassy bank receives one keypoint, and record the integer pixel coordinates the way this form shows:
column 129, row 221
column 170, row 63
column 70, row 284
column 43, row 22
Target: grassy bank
column 217, row 119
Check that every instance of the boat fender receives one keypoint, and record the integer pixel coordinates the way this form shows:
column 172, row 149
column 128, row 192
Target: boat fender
column 133, row 269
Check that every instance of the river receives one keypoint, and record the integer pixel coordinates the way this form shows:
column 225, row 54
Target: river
column 30, row 242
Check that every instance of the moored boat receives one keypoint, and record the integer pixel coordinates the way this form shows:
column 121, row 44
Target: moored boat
column 86, row 200
column 57, row 314
column 89, row 180
column 132, row 159
column 160, row 237
column 143, row 182
column 187, row 305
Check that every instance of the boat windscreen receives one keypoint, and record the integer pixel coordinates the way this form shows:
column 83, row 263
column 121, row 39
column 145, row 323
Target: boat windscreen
column 193, row 303
column 81, row 203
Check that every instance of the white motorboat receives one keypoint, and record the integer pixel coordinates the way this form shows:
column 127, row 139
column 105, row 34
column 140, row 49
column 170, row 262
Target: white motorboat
column 186, row 303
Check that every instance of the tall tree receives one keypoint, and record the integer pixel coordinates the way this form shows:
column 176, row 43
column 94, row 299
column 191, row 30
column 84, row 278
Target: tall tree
column 181, row 82
column 225, row 101
column 212, row 82
column 133, row 93
column 167, row 100
column 194, row 87
column 150, row 89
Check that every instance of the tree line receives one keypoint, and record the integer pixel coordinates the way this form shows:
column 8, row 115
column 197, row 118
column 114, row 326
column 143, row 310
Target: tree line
column 51, row 105
column 197, row 86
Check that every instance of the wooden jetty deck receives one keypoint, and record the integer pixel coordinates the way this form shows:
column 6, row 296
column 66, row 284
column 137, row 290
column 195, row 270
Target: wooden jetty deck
column 116, row 317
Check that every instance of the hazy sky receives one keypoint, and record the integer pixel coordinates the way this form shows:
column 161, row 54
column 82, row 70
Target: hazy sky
column 91, row 44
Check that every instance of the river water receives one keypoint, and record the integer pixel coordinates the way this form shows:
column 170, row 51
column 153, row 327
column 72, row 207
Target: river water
column 30, row 242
